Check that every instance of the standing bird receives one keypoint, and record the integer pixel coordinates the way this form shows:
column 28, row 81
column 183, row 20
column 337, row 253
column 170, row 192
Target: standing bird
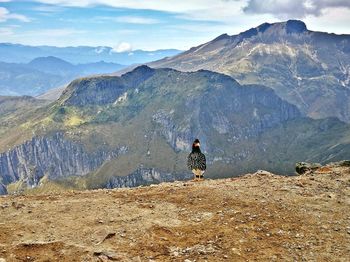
column 196, row 161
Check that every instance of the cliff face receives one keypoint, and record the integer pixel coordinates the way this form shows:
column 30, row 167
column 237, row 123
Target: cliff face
column 224, row 109
column 3, row 190
column 53, row 156
column 144, row 176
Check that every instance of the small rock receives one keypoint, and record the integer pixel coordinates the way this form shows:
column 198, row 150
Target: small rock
column 108, row 254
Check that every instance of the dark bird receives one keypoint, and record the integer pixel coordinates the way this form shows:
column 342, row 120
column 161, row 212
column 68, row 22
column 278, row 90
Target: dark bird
column 196, row 161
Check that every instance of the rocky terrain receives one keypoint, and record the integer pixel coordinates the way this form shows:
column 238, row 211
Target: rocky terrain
column 258, row 216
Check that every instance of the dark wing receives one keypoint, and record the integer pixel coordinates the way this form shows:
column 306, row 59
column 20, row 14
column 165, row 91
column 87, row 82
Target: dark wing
column 196, row 161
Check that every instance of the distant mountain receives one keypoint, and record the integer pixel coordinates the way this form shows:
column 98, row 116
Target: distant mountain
column 108, row 131
column 20, row 79
column 52, row 64
column 44, row 73
column 308, row 69
column 16, row 53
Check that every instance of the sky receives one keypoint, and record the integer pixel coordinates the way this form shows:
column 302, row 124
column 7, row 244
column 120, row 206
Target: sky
column 128, row 25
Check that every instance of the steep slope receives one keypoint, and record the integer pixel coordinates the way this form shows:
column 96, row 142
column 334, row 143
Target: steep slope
column 155, row 114
column 52, row 95
column 257, row 217
column 308, row 69
column 15, row 110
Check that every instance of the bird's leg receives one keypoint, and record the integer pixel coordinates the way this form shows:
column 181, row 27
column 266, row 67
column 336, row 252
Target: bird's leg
column 201, row 177
column 197, row 175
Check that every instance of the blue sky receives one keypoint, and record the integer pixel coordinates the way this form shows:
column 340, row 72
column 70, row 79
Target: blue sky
column 156, row 24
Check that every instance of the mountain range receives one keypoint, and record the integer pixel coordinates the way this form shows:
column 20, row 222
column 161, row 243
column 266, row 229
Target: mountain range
column 308, row 69
column 109, row 131
column 115, row 131
column 44, row 73
column 17, row 53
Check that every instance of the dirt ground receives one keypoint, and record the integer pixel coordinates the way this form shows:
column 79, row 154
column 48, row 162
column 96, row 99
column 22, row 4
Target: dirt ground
column 257, row 217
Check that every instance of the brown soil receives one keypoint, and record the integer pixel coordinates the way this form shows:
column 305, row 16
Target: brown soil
column 259, row 216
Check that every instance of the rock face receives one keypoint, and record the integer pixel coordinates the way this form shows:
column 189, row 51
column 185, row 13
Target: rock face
column 53, row 156
column 144, row 176
column 223, row 107
column 308, row 69
column 3, row 190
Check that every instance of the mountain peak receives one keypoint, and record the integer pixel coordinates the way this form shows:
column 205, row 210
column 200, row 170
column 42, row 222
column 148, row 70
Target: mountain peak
column 280, row 28
column 295, row 26
column 289, row 27
column 48, row 59
column 140, row 72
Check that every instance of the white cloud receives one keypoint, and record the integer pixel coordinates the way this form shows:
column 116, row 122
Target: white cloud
column 6, row 15
column 6, row 31
column 48, row 8
column 56, row 32
column 100, row 49
column 136, row 20
column 122, row 47
column 128, row 19
column 217, row 10
column 293, row 8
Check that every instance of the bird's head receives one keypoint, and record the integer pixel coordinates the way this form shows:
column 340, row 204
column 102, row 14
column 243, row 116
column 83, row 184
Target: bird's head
column 196, row 145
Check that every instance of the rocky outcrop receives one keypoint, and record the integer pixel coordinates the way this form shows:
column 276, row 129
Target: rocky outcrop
column 3, row 190
column 144, row 176
column 53, row 156
column 303, row 167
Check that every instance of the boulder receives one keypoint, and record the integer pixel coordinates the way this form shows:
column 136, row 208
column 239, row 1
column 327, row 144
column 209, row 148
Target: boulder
column 343, row 163
column 303, row 167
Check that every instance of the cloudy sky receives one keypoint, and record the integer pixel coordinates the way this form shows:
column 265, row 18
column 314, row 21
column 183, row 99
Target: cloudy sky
column 156, row 24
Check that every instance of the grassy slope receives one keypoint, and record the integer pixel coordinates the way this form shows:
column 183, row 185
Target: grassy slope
column 130, row 123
